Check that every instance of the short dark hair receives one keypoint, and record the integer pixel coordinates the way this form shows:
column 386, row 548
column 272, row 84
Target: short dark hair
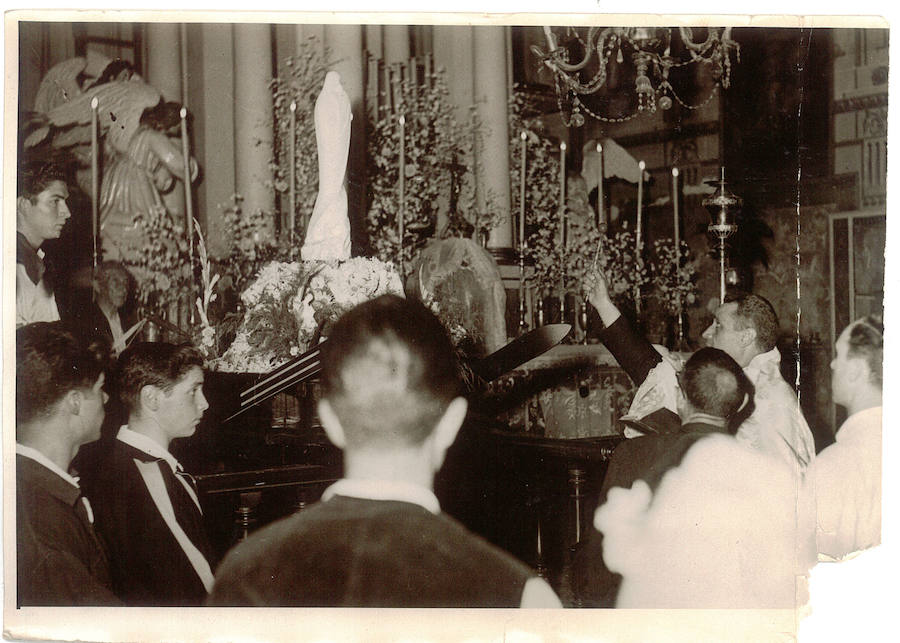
column 866, row 340
column 714, row 383
column 36, row 175
column 757, row 313
column 151, row 364
column 389, row 372
column 50, row 362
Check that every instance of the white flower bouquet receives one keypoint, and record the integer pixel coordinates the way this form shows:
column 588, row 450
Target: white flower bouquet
column 289, row 304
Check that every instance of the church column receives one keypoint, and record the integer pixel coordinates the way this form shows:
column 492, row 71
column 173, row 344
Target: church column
column 163, row 71
column 345, row 42
column 396, row 44
column 490, row 87
column 253, row 116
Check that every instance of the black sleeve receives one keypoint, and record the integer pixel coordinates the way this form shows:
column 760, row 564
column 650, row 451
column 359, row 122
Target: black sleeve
column 634, row 353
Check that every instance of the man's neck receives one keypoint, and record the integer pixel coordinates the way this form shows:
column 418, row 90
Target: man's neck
column 33, row 240
column 46, row 440
column 866, row 399
column 397, row 466
column 149, row 427
column 703, row 418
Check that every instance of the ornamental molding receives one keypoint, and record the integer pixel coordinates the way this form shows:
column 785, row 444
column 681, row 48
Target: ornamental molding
column 857, row 103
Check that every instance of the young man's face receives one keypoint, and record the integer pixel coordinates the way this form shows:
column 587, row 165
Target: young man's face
column 92, row 411
column 182, row 407
column 45, row 217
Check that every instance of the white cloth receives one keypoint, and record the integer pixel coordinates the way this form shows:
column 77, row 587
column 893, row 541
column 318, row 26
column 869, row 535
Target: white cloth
column 729, row 528
column 149, row 446
column 328, row 234
column 847, row 476
column 536, row 593
column 777, row 426
column 34, row 302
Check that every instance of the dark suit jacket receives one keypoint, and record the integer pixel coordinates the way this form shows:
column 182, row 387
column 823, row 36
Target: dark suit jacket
column 148, row 566
column 59, row 558
column 89, row 322
column 352, row 552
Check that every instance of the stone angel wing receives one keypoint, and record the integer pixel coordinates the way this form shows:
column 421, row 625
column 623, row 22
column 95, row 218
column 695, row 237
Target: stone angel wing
column 120, row 105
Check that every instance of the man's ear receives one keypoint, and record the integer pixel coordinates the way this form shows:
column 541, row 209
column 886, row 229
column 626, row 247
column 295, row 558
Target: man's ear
column 149, row 397
column 748, row 335
column 73, row 400
column 22, row 206
column 448, row 426
column 331, row 424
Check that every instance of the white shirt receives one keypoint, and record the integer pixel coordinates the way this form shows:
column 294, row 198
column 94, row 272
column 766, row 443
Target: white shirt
column 34, row 302
column 152, row 448
column 536, row 593
column 848, row 487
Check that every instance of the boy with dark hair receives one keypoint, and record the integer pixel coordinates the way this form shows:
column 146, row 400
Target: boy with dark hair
column 717, row 398
column 147, row 506
column 378, row 537
column 41, row 214
column 59, row 407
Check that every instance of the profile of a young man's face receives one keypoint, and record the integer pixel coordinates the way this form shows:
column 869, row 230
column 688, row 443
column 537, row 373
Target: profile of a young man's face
column 182, row 406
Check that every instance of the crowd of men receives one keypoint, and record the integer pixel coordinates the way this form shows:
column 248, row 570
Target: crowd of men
column 718, row 499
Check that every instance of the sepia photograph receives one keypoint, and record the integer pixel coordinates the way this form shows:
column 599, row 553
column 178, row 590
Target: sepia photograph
column 582, row 313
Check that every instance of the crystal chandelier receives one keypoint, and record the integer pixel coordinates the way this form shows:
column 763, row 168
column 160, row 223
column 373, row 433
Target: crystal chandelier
column 651, row 53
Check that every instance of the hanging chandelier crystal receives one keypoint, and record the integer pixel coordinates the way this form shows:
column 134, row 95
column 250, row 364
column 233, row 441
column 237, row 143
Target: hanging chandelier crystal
column 650, row 53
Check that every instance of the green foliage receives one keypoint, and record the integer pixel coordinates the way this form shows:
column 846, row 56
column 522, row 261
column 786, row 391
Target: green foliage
column 674, row 289
column 162, row 264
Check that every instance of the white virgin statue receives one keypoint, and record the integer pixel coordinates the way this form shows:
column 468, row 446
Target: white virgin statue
column 328, row 233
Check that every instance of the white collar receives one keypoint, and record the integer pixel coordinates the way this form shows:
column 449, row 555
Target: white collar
column 384, row 490
column 704, row 418
column 33, row 454
column 763, row 362
column 860, row 424
column 149, row 446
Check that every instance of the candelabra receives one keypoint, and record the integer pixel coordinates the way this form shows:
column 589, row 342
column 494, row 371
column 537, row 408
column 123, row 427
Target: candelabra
column 653, row 52
column 723, row 206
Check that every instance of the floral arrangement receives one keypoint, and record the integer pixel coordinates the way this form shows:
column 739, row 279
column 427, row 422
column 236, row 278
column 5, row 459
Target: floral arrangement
column 673, row 288
column 438, row 168
column 290, row 304
column 625, row 271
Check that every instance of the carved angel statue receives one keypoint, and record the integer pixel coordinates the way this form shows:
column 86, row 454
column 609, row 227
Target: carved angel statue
column 141, row 151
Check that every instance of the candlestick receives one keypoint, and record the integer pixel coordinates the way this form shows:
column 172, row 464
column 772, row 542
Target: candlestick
column 95, row 177
column 600, row 215
column 293, row 159
column 524, row 138
column 402, row 123
column 637, row 235
column 562, row 230
column 677, row 237
column 188, row 206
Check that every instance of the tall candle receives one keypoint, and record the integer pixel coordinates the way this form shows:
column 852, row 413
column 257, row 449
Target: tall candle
column 524, row 138
column 637, row 235
column 677, row 235
column 600, row 217
column 562, row 192
column 95, row 176
column 188, row 205
column 402, row 122
column 293, row 174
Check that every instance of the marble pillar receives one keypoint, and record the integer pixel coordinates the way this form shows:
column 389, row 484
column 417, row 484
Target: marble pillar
column 490, row 93
column 345, row 42
column 375, row 41
column 253, row 116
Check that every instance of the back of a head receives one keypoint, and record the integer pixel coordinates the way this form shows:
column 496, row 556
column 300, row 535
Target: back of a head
column 150, row 364
column 866, row 340
column 388, row 372
column 756, row 312
column 36, row 175
column 715, row 384
column 50, row 362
